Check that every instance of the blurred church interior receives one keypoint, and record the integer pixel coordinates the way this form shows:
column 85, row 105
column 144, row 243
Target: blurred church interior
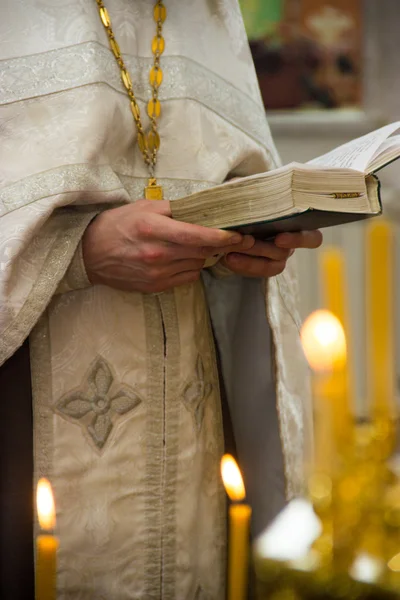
column 329, row 71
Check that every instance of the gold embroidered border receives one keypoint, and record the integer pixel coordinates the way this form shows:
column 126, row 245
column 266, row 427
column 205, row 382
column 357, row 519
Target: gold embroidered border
column 42, row 393
column 172, row 407
column 154, row 440
column 69, row 231
column 280, row 405
column 162, row 458
column 221, row 533
column 91, row 63
column 292, row 435
column 87, row 180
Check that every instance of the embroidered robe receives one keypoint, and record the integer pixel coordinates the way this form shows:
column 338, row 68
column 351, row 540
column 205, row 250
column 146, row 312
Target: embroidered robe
column 127, row 416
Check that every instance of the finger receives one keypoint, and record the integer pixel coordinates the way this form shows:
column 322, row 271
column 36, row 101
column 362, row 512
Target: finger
column 301, row 239
column 266, row 250
column 245, row 245
column 157, row 253
column 250, row 266
column 175, row 251
column 158, row 227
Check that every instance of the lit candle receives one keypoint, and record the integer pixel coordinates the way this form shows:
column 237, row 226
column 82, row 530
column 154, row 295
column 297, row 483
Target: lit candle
column 239, row 522
column 46, row 543
column 332, row 274
column 380, row 318
column 324, row 345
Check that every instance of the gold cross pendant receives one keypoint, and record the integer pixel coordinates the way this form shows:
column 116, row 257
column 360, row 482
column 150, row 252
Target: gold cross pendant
column 153, row 191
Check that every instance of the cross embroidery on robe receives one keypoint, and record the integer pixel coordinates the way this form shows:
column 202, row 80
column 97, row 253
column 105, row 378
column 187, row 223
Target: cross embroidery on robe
column 98, row 402
column 196, row 393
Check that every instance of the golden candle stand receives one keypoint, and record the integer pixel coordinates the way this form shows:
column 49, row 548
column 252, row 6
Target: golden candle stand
column 357, row 553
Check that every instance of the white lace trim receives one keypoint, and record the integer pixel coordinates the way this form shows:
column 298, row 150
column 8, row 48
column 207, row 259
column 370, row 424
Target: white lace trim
column 91, row 63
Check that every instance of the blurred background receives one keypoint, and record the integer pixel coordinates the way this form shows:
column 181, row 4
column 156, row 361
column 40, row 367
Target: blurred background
column 329, row 71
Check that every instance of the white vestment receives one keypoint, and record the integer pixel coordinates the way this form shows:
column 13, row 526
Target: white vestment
column 126, row 394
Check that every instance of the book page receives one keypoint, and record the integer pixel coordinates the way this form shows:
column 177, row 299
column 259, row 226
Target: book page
column 389, row 150
column 358, row 153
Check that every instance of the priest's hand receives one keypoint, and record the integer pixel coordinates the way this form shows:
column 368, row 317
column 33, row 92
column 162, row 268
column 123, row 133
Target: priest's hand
column 139, row 247
column 267, row 259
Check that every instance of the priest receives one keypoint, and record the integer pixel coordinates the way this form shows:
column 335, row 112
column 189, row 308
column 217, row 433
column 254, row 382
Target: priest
column 128, row 361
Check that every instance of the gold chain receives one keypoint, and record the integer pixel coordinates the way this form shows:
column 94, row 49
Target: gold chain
column 149, row 143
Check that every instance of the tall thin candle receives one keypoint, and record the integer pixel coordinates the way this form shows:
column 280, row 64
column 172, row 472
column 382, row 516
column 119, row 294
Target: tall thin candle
column 324, row 345
column 333, row 279
column 46, row 543
column 380, row 318
column 239, row 522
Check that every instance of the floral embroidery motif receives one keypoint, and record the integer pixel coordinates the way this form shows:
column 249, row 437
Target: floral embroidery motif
column 98, row 402
column 196, row 393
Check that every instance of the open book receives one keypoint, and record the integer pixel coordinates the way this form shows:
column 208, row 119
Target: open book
column 335, row 188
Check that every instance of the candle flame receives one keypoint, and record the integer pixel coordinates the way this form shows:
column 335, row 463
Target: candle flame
column 324, row 341
column 232, row 478
column 45, row 505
